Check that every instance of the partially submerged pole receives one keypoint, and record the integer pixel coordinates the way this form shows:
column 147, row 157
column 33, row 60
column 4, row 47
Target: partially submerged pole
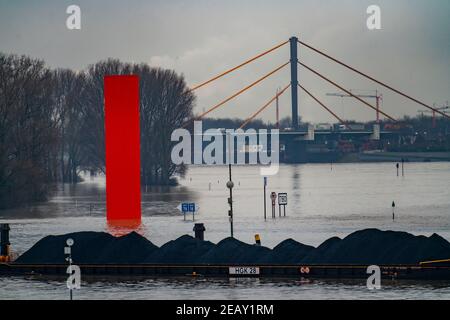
column 393, row 208
column 403, row 170
column 265, row 205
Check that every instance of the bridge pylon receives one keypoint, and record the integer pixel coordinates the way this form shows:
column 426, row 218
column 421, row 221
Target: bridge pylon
column 293, row 41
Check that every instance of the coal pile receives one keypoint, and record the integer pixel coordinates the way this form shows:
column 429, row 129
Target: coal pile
column 90, row 248
column 370, row 246
column 128, row 249
column 50, row 250
column 231, row 250
column 319, row 254
column 184, row 250
column 287, row 252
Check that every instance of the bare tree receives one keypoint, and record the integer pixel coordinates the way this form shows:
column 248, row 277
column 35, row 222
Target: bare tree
column 27, row 130
column 165, row 104
column 92, row 108
column 52, row 124
column 67, row 86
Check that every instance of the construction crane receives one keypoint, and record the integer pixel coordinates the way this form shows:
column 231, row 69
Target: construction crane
column 277, row 112
column 433, row 112
column 376, row 96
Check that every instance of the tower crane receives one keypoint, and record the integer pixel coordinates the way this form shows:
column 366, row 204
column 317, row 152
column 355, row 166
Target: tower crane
column 378, row 97
column 433, row 112
column 277, row 112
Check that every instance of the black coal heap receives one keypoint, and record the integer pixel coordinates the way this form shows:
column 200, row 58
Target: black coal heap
column 369, row 246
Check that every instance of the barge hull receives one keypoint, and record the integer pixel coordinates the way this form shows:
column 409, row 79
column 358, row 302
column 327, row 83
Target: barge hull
column 416, row 272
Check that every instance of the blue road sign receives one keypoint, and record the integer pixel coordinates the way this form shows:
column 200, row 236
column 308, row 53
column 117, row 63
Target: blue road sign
column 188, row 207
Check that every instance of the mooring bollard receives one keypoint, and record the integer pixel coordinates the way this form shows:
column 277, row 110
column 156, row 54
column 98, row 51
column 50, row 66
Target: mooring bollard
column 199, row 231
column 257, row 240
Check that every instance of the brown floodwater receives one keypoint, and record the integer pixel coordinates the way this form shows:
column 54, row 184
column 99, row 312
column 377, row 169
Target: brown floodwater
column 323, row 201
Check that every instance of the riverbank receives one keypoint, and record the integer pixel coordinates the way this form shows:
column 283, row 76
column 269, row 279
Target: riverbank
column 407, row 156
column 327, row 156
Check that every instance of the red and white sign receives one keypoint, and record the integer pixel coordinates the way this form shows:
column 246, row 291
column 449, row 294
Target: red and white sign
column 304, row 270
column 273, row 196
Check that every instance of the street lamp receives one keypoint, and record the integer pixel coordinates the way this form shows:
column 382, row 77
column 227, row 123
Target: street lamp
column 230, row 186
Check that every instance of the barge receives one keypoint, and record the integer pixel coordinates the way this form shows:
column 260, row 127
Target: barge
column 431, row 270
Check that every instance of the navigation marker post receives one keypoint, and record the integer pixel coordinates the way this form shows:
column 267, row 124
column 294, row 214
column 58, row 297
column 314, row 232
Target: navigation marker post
column 265, row 185
column 273, row 197
column 393, row 213
column 68, row 253
column 282, row 201
column 403, row 169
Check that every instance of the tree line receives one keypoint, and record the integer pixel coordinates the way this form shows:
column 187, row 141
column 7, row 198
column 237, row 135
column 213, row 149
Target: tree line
column 52, row 124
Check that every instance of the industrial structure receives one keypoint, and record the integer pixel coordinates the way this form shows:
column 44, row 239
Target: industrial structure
column 444, row 109
column 300, row 143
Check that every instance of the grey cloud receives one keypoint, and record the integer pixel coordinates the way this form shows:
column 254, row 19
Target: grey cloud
column 202, row 38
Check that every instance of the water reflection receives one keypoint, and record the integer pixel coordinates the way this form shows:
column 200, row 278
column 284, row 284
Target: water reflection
column 121, row 228
column 215, row 288
column 89, row 199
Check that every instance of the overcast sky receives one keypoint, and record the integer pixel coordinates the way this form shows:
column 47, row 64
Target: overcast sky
column 203, row 38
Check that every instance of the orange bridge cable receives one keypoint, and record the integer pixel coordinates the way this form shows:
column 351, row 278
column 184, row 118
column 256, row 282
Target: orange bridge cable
column 373, row 79
column 324, row 106
column 239, row 66
column 347, row 91
column 264, row 107
column 239, row 92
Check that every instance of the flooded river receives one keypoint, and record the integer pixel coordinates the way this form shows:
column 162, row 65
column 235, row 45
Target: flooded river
column 323, row 201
